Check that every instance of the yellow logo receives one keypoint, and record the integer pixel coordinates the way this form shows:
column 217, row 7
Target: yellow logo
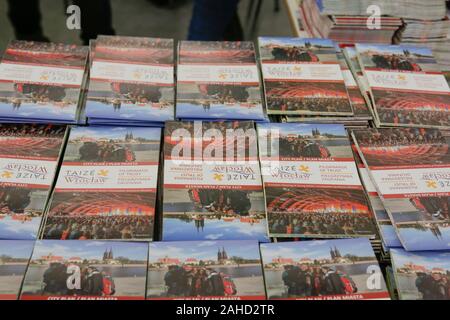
column 297, row 68
column 218, row 176
column 137, row 75
column 7, row 174
column 44, row 77
column 223, row 76
column 303, row 168
column 103, row 172
column 431, row 184
column 401, row 77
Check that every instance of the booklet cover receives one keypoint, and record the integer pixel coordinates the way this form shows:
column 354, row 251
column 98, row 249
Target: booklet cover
column 407, row 86
column 205, row 270
column 28, row 162
column 421, row 275
column 344, row 269
column 131, row 79
column 357, row 101
column 302, row 76
column 208, row 193
column 14, row 258
column 410, row 169
column 86, row 270
column 384, row 224
column 106, row 187
column 41, row 81
column 311, row 182
column 218, row 80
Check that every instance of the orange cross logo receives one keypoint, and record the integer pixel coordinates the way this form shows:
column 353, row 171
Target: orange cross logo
column 222, row 76
column 431, row 184
column 103, row 173
column 303, row 168
column 7, row 174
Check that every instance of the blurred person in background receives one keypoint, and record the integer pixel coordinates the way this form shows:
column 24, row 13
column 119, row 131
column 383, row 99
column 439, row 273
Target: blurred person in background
column 25, row 17
column 215, row 20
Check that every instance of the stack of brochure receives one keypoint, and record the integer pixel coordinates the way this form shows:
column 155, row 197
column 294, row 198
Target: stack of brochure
column 131, row 81
column 106, row 187
column 205, row 270
column 303, row 77
column 311, row 182
column 409, row 168
column 218, row 80
column 406, row 86
column 29, row 156
column 42, row 82
column 344, row 269
column 212, row 182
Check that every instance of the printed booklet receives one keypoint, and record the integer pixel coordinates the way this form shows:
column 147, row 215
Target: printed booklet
column 42, row 82
column 106, row 187
column 421, row 275
column 302, row 76
column 410, row 169
column 208, row 193
column 205, row 270
column 311, row 182
column 384, row 224
column 86, row 270
column 131, row 81
column 407, row 86
column 344, row 269
column 29, row 156
column 218, row 80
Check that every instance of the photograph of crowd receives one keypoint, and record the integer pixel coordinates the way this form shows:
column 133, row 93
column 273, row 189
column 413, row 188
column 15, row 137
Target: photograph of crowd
column 218, row 200
column 208, row 95
column 395, row 57
column 14, row 256
column 322, row 269
column 421, row 275
column 313, row 98
column 205, row 269
column 359, row 105
column 100, row 215
column 49, row 53
column 405, row 146
column 82, row 269
column 109, row 99
column 22, row 98
column 133, row 100
column 241, row 134
column 318, row 212
column 133, row 49
column 302, row 140
column 209, row 214
column 31, row 140
column 119, row 144
column 418, row 109
column 216, row 52
column 297, row 50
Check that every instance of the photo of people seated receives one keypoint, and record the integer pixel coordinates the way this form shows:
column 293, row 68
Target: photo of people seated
column 406, row 146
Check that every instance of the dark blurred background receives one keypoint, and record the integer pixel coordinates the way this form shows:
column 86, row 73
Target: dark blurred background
column 153, row 18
